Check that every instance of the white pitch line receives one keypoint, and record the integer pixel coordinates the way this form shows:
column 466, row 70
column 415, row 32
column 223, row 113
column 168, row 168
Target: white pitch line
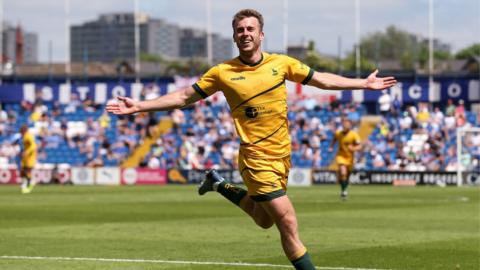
column 267, row 265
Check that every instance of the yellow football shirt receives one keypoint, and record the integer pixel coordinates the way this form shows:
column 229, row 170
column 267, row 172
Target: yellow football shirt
column 344, row 155
column 257, row 96
column 29, row 155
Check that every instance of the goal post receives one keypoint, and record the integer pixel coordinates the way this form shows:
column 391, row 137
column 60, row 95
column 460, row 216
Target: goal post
column 467, row 162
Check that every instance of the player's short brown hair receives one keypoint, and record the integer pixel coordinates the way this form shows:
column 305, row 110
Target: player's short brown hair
column 245, row 13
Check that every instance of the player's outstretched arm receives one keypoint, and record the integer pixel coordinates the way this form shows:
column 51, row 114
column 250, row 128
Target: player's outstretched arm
column 335, row 82
column 174, row 100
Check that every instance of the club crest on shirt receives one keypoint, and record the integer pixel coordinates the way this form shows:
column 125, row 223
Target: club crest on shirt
column 274, row 72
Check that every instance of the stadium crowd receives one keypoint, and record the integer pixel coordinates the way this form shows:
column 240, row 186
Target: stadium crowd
column 419, row 138
column 412, row 137
column 79, row 133
column 408, row 137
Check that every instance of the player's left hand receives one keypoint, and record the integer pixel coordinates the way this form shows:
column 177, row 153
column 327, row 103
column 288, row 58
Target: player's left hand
column 375, row 83
column 124, row 105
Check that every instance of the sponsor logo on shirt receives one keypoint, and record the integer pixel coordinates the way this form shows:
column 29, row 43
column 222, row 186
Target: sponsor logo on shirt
column 251, row 112
column 254, row 112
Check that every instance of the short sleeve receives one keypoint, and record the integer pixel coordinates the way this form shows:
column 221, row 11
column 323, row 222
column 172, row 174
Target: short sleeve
column 337, row 135
column 208, row 83
column 298, row 71
column 357, row 138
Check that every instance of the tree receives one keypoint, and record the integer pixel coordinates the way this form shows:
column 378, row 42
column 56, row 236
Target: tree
column 153, row 58
column 397, row 44
column 189, row 68
column 349, row 63
column 473, row 50
column 317, row 61
column 320, row 63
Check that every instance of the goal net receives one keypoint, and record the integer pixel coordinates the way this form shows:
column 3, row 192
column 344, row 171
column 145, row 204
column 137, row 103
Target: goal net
column 468, row 156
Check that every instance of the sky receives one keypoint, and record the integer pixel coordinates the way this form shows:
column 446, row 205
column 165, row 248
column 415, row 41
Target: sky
column 457, row 22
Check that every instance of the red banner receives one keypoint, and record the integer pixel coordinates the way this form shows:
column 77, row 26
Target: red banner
column 9, row 176
column 144, row 176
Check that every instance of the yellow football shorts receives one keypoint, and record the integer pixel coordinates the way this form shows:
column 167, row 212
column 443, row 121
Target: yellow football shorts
column 266, row 179
column 341, row 160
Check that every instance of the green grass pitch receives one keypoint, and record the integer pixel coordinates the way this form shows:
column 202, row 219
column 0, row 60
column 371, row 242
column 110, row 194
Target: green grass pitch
column 379, row 227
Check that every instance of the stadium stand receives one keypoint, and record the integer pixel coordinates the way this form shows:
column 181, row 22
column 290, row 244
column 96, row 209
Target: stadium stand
column 79, row 133
column 203, row 136
column 418, row 140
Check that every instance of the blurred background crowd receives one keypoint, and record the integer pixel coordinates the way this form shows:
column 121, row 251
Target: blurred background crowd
column 414, row 137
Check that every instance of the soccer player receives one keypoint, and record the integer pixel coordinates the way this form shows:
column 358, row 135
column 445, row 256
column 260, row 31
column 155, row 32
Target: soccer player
column 348, row 143
column 28, row 159
column 254, row 86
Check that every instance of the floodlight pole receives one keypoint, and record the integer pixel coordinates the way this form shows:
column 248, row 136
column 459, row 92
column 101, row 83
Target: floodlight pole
column 1, row 41
column 357, row 38
column 209, row 32
column 459, row 156
column 430, row 45
column 285, row 26
column 136, row 40
column 68, row 68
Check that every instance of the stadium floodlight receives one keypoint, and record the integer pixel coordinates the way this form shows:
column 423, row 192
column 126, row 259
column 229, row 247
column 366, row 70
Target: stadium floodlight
column 467, row 162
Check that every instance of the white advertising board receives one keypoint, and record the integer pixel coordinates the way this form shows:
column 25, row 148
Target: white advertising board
column 300, row 177
column 83, row 176
column 107, row 176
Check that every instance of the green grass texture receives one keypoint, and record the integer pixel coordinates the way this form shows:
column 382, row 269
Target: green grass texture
column 378, row 227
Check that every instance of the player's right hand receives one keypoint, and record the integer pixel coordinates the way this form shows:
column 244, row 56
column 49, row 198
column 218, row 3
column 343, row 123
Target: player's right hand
column 124, row 105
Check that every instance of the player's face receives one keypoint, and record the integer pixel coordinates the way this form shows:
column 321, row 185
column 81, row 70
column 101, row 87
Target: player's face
column 247, row 35
column 346, row 125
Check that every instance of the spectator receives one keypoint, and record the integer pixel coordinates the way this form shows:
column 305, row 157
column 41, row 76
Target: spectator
column 450, row 122
column 423, row 115
column 378, row 161
column 56, row 109
column 178, row 118
column 73, row 104
column 89, row 105
column 437, row 116
column 153, row 162
column 450, row 109
column 406, row 121
column 461, row 121
column 460, row 109
column 396, row 106
column 26, row 107
column 353, row 115
column 385, row 103
column 196, row 160
column 104, row 120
